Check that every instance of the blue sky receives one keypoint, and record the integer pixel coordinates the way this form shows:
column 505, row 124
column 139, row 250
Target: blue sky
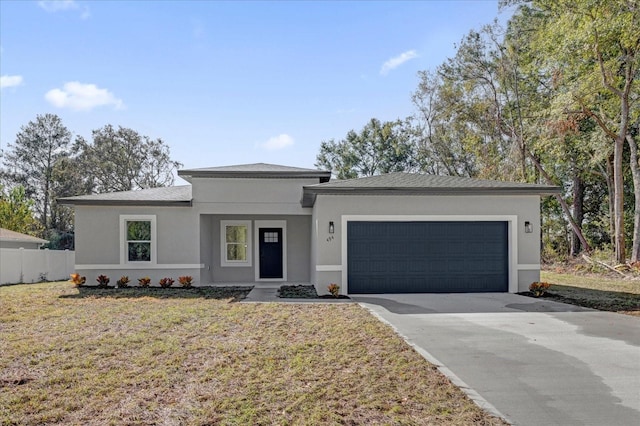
column 224, row 82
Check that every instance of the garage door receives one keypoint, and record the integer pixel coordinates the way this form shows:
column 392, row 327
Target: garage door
column 427, row 257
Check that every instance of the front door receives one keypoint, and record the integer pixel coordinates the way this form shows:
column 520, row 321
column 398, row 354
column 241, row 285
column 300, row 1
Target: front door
column 270, row 247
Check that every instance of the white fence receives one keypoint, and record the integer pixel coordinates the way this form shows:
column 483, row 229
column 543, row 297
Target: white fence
column 32, row 266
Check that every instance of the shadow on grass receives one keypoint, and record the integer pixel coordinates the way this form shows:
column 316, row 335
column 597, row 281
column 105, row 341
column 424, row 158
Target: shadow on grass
column 604, row 300
column 235, row 293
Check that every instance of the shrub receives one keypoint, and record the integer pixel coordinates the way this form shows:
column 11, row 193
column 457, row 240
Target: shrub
column 144, row 281
column 539, row 288
column 78, row 280
column 185, row 281
column 166, row 282
column 103, row 281
column 334, row 289
column 123, row 281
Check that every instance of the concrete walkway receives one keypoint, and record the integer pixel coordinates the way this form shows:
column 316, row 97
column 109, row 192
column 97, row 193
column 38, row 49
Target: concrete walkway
column 533, row 362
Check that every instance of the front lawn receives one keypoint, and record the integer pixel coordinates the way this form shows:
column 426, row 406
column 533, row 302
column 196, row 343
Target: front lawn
column 111, row 357
column 595, row 291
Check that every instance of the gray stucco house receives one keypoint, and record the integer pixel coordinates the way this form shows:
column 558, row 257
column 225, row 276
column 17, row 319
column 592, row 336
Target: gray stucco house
column 265, row 224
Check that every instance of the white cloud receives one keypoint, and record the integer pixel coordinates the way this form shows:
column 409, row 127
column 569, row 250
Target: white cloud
column 10, row 81
column 82, row 97
column 277, row 142
column 395, row 62
column 61, row 5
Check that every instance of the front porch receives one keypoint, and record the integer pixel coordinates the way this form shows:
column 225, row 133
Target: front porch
column 258, row 250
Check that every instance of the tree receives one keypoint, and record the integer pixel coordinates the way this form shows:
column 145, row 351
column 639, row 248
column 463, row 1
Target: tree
column 31, row 159
column 380, row 147
column 69, row 179
column 591, row 47
column 479, row 114
column 440, row 134
column 122, row 160
column 16, row 212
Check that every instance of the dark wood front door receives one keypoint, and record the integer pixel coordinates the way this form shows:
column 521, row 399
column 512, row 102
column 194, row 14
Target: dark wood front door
column 270, row 252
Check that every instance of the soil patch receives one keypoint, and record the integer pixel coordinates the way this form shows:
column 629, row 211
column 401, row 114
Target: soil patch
column 231, row 293
column 304, row 292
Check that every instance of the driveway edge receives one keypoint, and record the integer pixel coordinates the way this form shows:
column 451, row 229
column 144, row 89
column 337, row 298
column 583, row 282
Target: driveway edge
column 470, row 392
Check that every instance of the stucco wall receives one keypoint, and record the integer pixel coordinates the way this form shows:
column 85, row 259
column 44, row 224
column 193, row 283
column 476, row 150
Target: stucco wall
column 98, row 246
column 249, row 196
column 328, row 256
column 298, row 231
column 216, row 199
column 188, row 240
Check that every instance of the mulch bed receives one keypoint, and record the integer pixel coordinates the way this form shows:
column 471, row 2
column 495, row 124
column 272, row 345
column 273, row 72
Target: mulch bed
column 304, row 292
column 621, row 304
column 235, row 293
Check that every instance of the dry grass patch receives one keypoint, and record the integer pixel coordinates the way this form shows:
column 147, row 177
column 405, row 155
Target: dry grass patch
column 71, row 358
column 595, row 291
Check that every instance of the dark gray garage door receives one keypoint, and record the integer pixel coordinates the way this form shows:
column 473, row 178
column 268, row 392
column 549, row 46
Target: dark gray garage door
column 427, row 257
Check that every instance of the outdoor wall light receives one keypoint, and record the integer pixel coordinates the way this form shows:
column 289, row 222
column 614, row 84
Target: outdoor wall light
column 331, row 227
column 528, row 227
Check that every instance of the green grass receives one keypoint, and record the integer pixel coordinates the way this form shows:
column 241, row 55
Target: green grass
column 595, row 291
column 101, row 357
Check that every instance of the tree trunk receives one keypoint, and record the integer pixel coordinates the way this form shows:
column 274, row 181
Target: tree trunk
column 618, row 201
column 45, row 208
column 618, row 205
column 578, row 212
column 563, row 203
column 609, row 177
column 635, row 173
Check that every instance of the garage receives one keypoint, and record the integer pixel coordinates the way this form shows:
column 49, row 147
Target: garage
column 427, row 257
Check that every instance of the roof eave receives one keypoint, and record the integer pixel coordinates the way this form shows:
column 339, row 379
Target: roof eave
column 310, row 193
column 188, row 174
column 155, row 203
column 15, row 240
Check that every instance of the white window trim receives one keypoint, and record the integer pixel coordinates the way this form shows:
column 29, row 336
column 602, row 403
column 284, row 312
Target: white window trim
column 223, row 243
column 271, row 224
column 124, row 218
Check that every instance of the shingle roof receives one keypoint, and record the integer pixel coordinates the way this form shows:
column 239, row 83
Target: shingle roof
column 422, row 184
column 165, row 196
column 257, row 170
column 13, row 236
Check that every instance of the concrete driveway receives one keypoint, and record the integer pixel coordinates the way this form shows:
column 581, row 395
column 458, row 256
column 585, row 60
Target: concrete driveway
column 531, row 361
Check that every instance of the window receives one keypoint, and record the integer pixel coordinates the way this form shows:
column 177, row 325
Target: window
column 138, row 239
column 236, row 243
column 270, row 237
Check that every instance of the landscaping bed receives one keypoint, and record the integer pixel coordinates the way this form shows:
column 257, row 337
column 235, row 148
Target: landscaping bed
column 596, row 291
column 304, row 292
column 231, row 293
column 95, row 357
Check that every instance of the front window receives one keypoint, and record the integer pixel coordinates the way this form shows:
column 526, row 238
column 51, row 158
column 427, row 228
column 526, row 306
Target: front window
column 236, row 236
column 138, row 239
column 236, row 243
